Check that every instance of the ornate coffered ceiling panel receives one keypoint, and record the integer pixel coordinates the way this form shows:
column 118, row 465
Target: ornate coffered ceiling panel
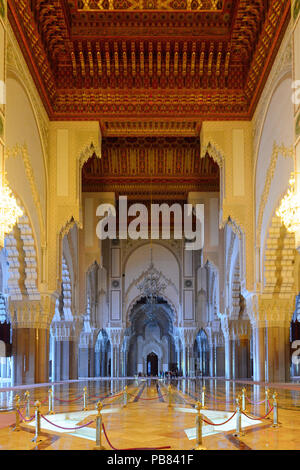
column 168, row 168
column 164, row 62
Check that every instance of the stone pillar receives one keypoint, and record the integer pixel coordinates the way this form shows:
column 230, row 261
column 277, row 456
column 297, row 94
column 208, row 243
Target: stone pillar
column 83, row 361
column 259, row 356
column 184, row 361
column 30, row 338
column 211, row 359
column 243, row 357
column 91, row 361
column 271, row 337
column 73, row 359
column 188, row 341
column 115, row 337
column 65, row 357
column 278, row 353
column 191, row 361
column 98, row 358
column 31, row 355
column 228, row 358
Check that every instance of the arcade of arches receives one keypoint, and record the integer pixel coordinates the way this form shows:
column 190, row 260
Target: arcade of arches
column 204, row 118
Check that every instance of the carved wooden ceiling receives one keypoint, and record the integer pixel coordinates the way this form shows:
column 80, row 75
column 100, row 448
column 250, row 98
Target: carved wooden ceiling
column 157, row 168
column 149, row 67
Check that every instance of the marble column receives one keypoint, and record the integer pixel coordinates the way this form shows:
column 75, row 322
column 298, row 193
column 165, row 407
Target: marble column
column 234, row 358
column 191, row 361
column 259, row 356
column 243, row 351
column 113, row 361
column 91, row 362
column 65, row 359
column 83, row 361
column 184, row 362
column 31, row 355
column 278, row 353
column 211, row 360
column 97, row 362
column 228, row 358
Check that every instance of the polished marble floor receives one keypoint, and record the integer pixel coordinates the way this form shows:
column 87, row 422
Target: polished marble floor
column 148, row 421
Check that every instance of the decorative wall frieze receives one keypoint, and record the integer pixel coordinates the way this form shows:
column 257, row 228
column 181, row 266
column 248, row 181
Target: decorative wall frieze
column 235, row 329
column 188, row 336
column 32, row 314
column 67, row 330
column 115, row 335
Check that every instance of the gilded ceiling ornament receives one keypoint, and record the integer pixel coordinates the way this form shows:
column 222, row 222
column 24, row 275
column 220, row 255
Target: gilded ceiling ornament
column 2, row 8
column 296, row 9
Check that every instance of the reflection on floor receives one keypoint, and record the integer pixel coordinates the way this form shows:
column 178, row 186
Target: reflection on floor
column 147, row 421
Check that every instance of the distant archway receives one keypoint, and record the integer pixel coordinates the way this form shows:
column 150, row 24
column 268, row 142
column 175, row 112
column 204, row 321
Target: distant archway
column 152, row 364
column 151, row 333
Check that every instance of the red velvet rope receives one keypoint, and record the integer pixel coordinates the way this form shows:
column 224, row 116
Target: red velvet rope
column 66, row 429
column 133, row 448
column 26, row 420
column 220, row 424
column 68, row 401
column 255, row 418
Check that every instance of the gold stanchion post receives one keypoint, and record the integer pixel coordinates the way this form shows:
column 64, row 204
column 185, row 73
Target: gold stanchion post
column 238, row 432
column 203, row 398
column 267, row 396
column 244, row 399
column 50, row 402
column 199, row 424
column 275, row 411
column 27, row 399
column 85, row 399
column 37, row 437
column 99, row 445
column 17, row 426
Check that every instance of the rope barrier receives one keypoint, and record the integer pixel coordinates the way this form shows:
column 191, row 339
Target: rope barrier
column 252, row 403
column 220, row 424
column 68, row 401
column 67, row 429
column 26, row 420
column 133, row 448
column 255, row 418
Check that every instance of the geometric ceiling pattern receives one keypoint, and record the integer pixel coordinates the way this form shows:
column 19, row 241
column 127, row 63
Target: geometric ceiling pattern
column 161, row 168
column 149, row 67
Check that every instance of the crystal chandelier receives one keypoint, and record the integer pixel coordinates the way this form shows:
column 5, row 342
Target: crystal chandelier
column 289, row 209
column 152, row 285
column 9, row 209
